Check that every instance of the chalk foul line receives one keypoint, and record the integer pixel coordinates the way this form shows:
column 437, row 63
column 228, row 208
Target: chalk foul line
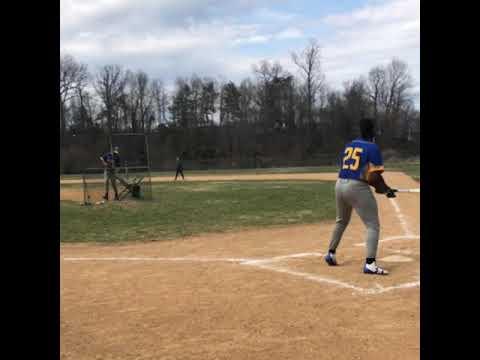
column 173, row 259
column 263, row 263
column 194, row 259
column 306, row 276
column 401, row 217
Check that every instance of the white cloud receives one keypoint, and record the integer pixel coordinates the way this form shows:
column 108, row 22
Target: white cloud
column 274, row 16
column 74, row 12
column 290, row 33
column 371, row 36
column 397, row 10
column 255, row 39
column 169, row 38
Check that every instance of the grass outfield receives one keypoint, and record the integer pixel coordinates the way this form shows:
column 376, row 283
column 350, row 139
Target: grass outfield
column 410, row 168
column 189, row 208
column 184, row 209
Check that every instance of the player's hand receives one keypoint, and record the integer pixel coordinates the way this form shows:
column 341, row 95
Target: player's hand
column 391, row 193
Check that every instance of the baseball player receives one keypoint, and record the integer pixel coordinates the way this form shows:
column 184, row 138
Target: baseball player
column 111, row 161
column 179, row 169
column 361, row 167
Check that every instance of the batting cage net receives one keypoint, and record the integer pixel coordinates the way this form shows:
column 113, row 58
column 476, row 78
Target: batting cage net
column 132, row 149
column 128, row 177
column 128, row 183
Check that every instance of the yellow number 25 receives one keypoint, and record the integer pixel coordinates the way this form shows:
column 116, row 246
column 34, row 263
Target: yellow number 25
column 352, row 153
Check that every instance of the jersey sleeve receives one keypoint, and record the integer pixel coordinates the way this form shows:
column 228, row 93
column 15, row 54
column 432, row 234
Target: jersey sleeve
column 375, row 160
column 107, row 158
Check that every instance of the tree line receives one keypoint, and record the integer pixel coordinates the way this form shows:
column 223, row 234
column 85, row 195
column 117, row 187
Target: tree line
column 115, row 99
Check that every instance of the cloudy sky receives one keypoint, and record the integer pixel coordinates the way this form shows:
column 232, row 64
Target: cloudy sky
column 224, row 38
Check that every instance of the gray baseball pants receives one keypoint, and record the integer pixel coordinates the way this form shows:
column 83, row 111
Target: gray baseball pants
column 110, row 177
column 354, row 194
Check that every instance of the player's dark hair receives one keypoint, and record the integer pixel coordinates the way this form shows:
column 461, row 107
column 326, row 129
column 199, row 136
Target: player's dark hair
column 367, row 128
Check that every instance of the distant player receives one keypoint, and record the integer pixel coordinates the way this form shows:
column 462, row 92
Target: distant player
column 362, row 166
column 111, row 161
column 179, row 168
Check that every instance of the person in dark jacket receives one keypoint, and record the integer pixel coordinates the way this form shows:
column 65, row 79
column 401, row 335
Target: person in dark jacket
column 111, row 161
column 179, row 168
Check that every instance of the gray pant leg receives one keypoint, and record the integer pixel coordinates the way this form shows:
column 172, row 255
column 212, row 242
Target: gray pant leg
column 344, row 213
column 107, row 181
column 110, row 177
column 113, row 179
column 364, row 203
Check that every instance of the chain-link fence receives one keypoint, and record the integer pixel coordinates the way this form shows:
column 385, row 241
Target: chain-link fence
column 217, row 148
column 120, row 183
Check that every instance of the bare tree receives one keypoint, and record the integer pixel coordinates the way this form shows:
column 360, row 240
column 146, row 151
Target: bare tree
column 130, row 101
column 144, row 99
column 73, row 76
column 221, row 99
column 263, row 117
column 247, row 94
column 377, row 88
column 160, row 99
column 272, row 80
column 404, row 94
column 309, row 63
column 231, row 101
column 181, row 107
column 84, row 109
column 266, row 72
column 109, row 85
column 399, row 84
column 397, row 95
column 356, row 102
column 208, row 100
column 196, row 93
column 389, row 91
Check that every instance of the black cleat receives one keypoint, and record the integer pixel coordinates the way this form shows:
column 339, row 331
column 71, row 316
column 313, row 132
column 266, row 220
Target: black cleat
column 331, row 259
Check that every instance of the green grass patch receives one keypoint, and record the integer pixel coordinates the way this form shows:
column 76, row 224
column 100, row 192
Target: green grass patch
column 184, row 209
column 410, row 168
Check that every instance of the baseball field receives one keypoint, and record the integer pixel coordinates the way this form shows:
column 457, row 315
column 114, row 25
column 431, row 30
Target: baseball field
column 228, row 265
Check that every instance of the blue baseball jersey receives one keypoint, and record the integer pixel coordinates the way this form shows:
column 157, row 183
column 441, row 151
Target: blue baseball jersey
column 359, row 159
column 110, row 158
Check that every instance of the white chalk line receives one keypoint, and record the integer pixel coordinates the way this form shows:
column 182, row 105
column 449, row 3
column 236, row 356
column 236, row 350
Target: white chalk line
column 306, row 276
column 173, row 259
column 408, row 235
column 261, row 264
column 401, row 218
column 378, row 289
column 193, row 259
column 381, row 290
column 404, row 252
column 280, row 258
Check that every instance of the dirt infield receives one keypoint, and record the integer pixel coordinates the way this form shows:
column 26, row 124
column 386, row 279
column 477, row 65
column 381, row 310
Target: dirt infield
column 256, row 294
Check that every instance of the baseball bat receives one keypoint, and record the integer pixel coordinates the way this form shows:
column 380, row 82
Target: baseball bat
column 408, row 190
